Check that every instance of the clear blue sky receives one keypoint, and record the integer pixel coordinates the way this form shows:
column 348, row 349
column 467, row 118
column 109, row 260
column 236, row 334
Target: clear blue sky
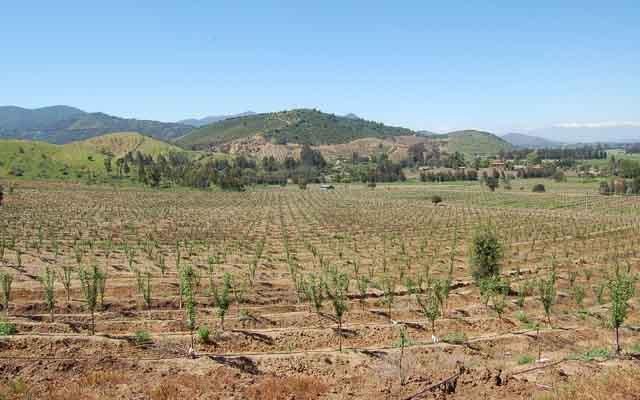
column 421, row 64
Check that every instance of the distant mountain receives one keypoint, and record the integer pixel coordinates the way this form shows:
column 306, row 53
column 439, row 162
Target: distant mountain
column 352, row 116
column 295, row 126
column 528, row 141
column 211, row 119
column 63, row 124
column 591, row 132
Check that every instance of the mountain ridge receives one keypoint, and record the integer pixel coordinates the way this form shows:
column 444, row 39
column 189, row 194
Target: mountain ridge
column 64, row 124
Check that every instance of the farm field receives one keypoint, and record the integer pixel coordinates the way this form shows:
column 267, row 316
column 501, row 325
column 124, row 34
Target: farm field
column 255, row 283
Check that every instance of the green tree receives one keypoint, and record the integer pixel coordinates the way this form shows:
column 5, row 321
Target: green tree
column 621, row 290
column 222, row 297
column 188, row 296
column 90, row 284
column 485, row 253
column 337, row 288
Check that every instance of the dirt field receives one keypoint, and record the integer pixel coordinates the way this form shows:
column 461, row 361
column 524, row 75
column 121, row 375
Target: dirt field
column 275, row 344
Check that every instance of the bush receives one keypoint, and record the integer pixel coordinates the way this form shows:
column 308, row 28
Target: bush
column 435, row 199
column 142, row 338
column 455, row 338
column 7, row 329
column 525, row 359
column 16, row 171
column 204, row 334
column 485, row 253
column 538, row 188
column 604, row 189
column 558, row 176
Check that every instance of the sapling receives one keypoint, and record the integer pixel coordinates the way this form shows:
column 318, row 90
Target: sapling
column 239, row 292
column 337, row 287
column 621, row 290
column 5, row 281
column 66, row 277
column 403, row 341
column 47, row 280
column 598, row 291
column 90, row 283
column 146, row 289
column 430, row 307
column 314, row 288
column 388, row 293
column 363, row 286
column 102, row 285
column 162, row 264
column 578, row 293
column 547, row 295
column 187, row 294
column 222, row 297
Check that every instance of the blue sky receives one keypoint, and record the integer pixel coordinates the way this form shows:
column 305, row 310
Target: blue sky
column 496, row 65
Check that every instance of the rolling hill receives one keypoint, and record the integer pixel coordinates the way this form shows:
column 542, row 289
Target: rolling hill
column 529, row 141
column 63, row 124
column 41, row 160
column 470, row 142
column 303, row 126
column 118, row 144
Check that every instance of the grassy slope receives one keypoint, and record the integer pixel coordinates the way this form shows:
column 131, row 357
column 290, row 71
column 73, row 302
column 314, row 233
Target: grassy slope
column 295, row 126
column 476, row 142
column 120, row 143
column 49, row 161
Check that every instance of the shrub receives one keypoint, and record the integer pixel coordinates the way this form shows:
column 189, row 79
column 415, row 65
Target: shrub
column 591, row 355
column 538, row 188
column 455, row 338
column 204, row 334
column 7, row 329
column 525, row 359
column 558, row 176
column 142, row 338
column 485, row 253
column 435, row 199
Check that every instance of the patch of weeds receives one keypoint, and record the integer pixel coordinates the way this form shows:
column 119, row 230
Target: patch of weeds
column 204, row 335
column 455, row 338
column 635, row 348
column 142, row 338
column 522, row 317
column 7, row 329
column 591, row 355
column 525, row 359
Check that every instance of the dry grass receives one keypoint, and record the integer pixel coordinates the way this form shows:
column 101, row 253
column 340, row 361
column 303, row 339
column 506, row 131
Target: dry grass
column 612, row 384
column 298, row 388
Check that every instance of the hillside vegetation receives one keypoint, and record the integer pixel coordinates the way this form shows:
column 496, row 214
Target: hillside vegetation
column 34, row 159
column 296, row 126
column 40, row 160
column 471, row 142
column 120, row 143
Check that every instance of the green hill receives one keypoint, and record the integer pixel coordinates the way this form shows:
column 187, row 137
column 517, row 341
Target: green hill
column 40, row 160
column 62, row 124
column 471, row 142
column 121, row 143
column 296, row 126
